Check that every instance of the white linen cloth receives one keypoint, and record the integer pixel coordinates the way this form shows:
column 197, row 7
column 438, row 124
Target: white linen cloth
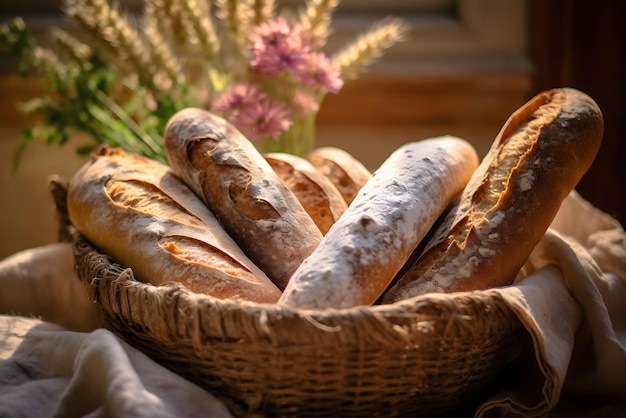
column 49, row 371
column 72, row 367
column 570, row 296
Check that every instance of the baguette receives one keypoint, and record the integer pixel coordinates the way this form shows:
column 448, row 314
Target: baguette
column 347, row 173
column 376, row 235
column 317, row 194
column 538, row 157
column 135, row 210
column 255, row 207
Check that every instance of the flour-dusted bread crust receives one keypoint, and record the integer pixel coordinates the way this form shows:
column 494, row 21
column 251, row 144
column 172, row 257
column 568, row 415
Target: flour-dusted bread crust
column 255, row 207
column 346, row 172
column 373, row 239
column 317, row 194
column 538, row 157
column 138, row 212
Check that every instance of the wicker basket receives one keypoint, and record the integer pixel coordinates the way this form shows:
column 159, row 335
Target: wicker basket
column 423, row 357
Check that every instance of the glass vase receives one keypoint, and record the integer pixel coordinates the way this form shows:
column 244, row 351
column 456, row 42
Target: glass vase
column 298, row 140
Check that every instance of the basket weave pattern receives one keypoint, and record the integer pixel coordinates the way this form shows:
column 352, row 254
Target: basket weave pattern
column 423, row 356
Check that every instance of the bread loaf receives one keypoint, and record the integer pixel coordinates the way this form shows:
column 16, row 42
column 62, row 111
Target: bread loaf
column 538, row 157
column 317, row 194
column 373, row 239
column 346, row 172
column 255, row 207
column 135, row 210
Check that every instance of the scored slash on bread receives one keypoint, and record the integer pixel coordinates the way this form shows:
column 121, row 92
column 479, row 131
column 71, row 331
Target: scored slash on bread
column 240, row 187
column 138, row 212
column 538, row 157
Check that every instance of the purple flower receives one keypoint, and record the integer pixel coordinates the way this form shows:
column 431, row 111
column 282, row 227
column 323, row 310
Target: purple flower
column 286, row 74
column 275, row 47
column 320, row 72
column 236, row 96
column 263, row 118
column 252, row 111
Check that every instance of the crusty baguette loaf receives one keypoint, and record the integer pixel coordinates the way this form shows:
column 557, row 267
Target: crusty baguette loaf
column 317, row 194
column 393, row 212
column 538, row 157
column 346, row 172
column 138, row 212
column 255, row 207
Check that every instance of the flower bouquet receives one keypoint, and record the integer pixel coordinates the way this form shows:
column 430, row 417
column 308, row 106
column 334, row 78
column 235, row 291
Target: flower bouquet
column 120, row 78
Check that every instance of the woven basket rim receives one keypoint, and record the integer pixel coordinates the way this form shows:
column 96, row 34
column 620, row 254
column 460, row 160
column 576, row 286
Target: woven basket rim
column 466, row 313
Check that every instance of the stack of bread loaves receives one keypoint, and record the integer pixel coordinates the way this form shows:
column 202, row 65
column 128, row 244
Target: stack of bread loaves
column 322, row 231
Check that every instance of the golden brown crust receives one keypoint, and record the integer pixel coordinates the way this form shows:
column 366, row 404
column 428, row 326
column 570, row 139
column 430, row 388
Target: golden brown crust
column 317, row 194
column 538, row 157
column 258, row 211
column 346, row 172
column 135, row 210
column 376, row 235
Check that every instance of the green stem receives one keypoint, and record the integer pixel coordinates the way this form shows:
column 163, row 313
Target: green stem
column 146, row 139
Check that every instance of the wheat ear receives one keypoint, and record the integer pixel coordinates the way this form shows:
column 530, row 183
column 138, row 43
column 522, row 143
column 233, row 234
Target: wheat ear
column 316, row 19
column 262, row 10
column 161, row 53
column 237, row 18
column 174, row 22
column 117, row 36
column 203, row 29
column 69, row 46
column 368, row 47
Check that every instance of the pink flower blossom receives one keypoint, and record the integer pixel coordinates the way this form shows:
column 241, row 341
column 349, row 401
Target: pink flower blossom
column 263, row 118
column 236, row 96
column 320, row 72
column 283, row 61
column 275, row 46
